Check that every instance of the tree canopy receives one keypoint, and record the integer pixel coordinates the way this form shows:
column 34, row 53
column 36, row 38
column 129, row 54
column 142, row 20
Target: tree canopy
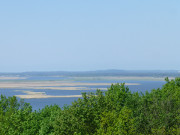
column 116, row 111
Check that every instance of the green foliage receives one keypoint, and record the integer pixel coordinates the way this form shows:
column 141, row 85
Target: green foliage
column 114, row 112
column 113, row 123
column 125, row 122
column 108, row 122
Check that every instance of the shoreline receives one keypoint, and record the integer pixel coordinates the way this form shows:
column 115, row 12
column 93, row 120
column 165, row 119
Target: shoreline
column 54, row 85
column 31, row 95
column 45, row 96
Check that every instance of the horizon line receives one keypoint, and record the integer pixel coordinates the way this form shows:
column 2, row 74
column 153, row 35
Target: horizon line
column 100, row 70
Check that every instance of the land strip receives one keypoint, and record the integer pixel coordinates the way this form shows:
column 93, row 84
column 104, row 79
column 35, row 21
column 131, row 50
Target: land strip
column 53, row 85
column 31, row 95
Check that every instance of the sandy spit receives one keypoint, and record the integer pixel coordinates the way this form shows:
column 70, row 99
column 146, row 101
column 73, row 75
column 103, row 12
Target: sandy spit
column 45, row 96
column 51, row 84
column 31, row 94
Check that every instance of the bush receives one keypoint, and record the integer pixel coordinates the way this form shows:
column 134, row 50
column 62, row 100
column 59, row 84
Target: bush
column 116, row 111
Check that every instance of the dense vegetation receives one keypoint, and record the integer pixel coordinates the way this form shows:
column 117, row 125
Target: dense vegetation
column 117, row 111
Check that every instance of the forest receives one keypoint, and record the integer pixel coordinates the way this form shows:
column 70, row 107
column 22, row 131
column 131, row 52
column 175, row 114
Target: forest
column 117, row 111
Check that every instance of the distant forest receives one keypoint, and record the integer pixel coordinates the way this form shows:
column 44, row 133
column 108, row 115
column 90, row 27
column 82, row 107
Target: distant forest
column 141, row 73
column 116, row 111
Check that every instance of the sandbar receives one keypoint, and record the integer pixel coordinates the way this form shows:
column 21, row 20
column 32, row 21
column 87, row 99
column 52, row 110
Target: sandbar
column 11, row 77
column 61, row 85
column 121, row 78
column 31, row 95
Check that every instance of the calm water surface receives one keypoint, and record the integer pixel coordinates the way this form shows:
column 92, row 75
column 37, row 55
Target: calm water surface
column 40, row 103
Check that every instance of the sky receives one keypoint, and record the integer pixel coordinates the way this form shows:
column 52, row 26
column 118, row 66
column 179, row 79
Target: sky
column 83, row 35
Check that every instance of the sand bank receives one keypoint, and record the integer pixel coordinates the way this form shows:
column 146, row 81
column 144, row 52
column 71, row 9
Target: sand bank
column 31, row 95
column 121, row 78
column 11, row 78
column 53, row 85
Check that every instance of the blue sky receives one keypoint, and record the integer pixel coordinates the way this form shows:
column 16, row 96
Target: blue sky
column 79, row 35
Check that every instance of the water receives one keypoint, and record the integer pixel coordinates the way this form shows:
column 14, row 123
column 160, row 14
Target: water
column 41, row 103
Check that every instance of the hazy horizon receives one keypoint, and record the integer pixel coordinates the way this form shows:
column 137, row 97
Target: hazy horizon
column 105, row 70
column 89, row 35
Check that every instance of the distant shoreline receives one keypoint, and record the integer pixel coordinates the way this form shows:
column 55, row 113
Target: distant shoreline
column 31, row 94
column 72, row 83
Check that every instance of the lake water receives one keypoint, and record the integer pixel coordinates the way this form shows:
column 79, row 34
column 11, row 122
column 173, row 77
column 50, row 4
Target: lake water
column 40, row 103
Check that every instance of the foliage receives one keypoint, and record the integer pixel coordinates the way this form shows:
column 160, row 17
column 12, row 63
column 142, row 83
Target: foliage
column 116, row 111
